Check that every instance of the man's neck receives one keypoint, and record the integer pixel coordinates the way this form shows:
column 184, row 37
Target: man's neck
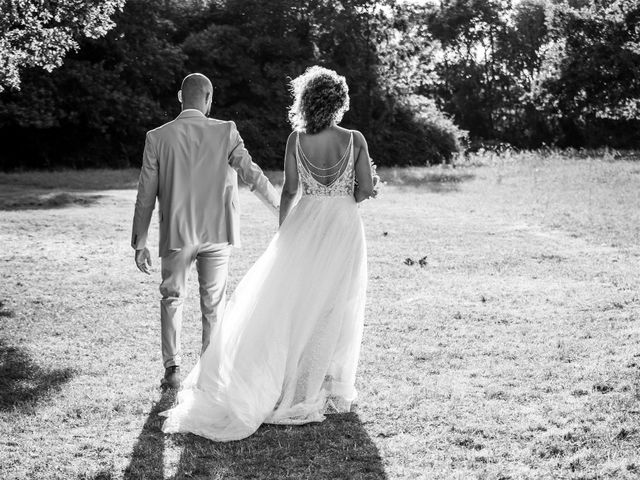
column 191, row 107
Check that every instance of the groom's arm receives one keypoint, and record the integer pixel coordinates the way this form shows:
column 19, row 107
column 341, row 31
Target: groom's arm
column 250, row 173
column 146, row 199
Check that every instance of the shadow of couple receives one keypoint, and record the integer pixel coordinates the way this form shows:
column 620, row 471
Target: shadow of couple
column 338, row 448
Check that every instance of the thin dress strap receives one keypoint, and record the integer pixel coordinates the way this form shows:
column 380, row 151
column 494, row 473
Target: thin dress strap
column 297, row 142
column 351, row 141
column 352, row 161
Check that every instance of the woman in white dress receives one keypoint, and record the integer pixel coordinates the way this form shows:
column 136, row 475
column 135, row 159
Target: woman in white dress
column 287, row 348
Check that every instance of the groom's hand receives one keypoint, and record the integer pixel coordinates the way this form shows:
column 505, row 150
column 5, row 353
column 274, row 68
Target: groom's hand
column 143, row 260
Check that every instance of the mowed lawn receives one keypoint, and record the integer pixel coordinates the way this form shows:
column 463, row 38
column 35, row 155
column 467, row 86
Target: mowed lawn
column 501, row 337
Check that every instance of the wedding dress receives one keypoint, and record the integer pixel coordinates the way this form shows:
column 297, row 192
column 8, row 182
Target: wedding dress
column 287, row 347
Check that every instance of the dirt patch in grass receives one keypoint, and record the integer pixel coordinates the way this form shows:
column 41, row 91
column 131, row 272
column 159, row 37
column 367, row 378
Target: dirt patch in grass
column 46, row 201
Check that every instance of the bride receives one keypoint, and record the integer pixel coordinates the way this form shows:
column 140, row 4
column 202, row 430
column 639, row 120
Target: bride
column 287, row 348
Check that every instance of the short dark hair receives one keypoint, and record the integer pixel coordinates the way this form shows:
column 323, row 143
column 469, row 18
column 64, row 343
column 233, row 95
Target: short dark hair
column 195, row 87
column 320, row 97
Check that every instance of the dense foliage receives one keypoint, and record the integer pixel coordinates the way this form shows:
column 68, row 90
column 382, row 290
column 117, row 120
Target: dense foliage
column 39, row 34
column 562, row 72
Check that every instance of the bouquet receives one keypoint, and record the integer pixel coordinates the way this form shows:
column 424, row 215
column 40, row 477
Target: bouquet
column 377, row 183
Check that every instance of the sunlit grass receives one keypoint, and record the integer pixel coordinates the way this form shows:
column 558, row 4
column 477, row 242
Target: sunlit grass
column 510, row 351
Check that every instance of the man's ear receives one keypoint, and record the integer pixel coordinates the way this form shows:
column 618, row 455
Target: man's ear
column 180, row 96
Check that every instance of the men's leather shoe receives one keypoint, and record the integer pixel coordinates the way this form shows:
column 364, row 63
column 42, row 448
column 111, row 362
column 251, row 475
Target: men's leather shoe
column 171, row 377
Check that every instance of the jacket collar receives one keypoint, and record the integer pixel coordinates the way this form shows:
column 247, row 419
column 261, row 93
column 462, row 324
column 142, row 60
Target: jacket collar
column 190, row 113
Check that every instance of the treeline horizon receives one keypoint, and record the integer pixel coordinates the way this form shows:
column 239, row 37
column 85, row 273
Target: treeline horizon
column 426, row 81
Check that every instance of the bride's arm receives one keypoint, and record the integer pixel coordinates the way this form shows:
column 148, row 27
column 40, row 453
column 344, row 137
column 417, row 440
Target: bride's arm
column 290, row 187
column 364, row 189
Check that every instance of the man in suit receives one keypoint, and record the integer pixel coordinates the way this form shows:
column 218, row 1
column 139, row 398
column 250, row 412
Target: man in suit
column 191, row 164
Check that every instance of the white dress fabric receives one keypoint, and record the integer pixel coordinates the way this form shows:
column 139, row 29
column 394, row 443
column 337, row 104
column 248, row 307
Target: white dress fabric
column 287, row 348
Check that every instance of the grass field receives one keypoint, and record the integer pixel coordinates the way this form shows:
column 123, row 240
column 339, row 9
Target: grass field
column 501, row 336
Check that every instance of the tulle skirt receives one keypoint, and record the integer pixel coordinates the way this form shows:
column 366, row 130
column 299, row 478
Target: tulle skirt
column 287, row 348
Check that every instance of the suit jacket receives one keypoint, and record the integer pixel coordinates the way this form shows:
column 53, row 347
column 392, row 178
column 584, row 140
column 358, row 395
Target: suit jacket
column 190, row 165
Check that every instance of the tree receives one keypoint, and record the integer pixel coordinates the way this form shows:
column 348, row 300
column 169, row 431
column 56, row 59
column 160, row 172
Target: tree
column 37, row 33
column 40, row 33
column 94, row 109
column 593, row 85
column 473, row 80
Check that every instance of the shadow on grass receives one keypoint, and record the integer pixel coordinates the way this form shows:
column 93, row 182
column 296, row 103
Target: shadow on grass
column 33, row 201
column 338, row 448
column 148, row 452
column 76, row 180
column 23, row 383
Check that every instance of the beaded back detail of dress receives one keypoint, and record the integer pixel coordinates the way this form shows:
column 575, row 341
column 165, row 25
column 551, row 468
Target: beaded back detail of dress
column 342, row 180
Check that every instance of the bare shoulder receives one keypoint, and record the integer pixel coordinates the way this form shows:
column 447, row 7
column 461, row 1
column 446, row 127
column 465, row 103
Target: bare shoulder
column 291, row 139
column 358, row 139
column 357, row 136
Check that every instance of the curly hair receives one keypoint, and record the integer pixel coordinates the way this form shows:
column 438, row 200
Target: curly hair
column 320, row 98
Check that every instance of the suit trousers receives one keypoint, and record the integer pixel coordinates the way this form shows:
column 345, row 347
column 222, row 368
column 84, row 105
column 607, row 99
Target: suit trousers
column 212, row 264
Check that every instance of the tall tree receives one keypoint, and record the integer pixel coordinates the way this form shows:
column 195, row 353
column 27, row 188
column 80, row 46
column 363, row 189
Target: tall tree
column 593, row 88
column 94, row 109
column 36, row 33
column 472, row 87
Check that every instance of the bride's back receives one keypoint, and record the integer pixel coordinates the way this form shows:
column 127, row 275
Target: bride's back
column 326, row 158
column 326, row 147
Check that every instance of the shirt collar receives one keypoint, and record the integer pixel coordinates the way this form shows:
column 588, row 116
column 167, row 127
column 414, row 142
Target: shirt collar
column 190, row 112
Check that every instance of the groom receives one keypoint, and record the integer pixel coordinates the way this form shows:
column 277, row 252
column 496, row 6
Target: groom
column 190, row 165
